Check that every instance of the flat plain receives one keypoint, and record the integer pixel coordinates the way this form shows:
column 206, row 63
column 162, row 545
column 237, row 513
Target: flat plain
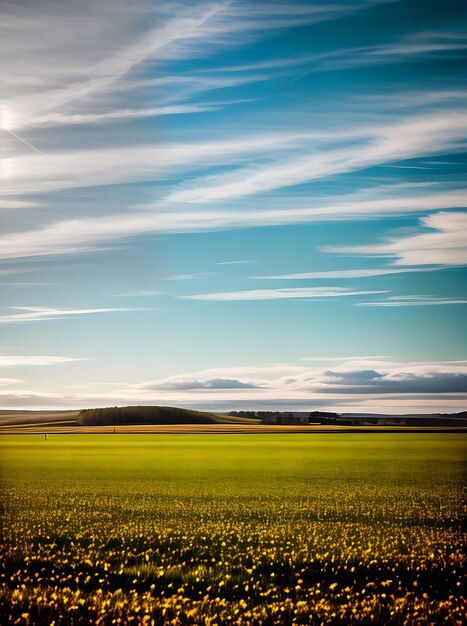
column 314, row 528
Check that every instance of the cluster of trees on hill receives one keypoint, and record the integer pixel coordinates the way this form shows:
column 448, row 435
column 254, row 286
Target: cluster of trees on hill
column 115, row 416
column 323, row 414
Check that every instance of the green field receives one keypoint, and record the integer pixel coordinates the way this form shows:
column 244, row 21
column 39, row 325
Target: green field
column 239, row 529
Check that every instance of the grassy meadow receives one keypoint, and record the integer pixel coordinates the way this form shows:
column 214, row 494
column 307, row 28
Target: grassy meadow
column 334, row 529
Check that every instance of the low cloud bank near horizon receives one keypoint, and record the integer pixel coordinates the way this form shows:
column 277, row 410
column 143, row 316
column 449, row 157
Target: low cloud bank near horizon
column 358, row 385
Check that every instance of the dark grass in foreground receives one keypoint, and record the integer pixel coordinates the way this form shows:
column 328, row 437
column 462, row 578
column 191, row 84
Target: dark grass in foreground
column 265, row 529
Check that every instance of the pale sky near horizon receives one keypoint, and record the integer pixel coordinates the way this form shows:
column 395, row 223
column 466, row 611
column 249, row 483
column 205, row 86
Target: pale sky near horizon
column 233, row 204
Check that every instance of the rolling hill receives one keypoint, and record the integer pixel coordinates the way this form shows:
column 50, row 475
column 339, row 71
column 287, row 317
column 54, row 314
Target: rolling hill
column 129, row 415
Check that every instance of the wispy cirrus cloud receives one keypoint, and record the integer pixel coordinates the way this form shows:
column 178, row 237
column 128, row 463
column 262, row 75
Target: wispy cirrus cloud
column 39, row 314
column 443, row 244
column 346, row 274
column 311, row 155
column 242, row 262
column 399, row 50
column 419, row 99
column 36, row 173
column 409, row 138
column 4, row 382
column 345, row 359
column 195, row 276
column 84, row 69
column 77, row 61
column 279, row 294
column 57, row 119
column 79, row 235
column 398, row 301
column 7, row 361
column 95, row 95
column 16, row 204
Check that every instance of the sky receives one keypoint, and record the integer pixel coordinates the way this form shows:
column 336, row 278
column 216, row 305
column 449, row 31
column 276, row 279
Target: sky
column 235, row 204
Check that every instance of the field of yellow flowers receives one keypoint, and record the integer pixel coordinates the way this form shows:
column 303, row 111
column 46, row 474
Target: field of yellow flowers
column 335, row 529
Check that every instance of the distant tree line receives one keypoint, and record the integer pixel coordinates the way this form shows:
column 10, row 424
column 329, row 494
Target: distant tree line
column 115, row 416
column 288, row 417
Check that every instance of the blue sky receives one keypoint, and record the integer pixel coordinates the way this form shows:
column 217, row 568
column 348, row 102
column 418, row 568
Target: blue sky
column 234, row 204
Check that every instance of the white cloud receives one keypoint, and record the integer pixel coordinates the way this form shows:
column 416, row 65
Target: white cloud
column 78, row 235
column 373, row 381
column 397, row 301
column 360, row 273
column 360, row 384
column 65, row 59
column 36, row 173
column 234, row 262
column 38, row 314
column 445, row 246
column 23, row 284
column 279, row 294
column 267, row 370
column 301, row 157
column 263, row 65
column 417, row 136
column 342, row 358
column 419, row 98
column 10, row 381
column 7, row 361
column 16, row 204
column 87, row 61
column 188, row 383
column 400, row 51
column 57, row 119
column 191, row 276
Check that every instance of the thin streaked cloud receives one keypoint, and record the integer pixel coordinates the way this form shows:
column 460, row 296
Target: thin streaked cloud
column 40, row 314
column 398, row 301
column 343, row 358
column 280, row 294
column 7, row 361
column 408, row 138
column 196, row 276
column 81, row 235
column 245, row 262
column 345, row 274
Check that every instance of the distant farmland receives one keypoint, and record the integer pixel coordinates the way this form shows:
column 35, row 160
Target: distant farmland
column 156, row 419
